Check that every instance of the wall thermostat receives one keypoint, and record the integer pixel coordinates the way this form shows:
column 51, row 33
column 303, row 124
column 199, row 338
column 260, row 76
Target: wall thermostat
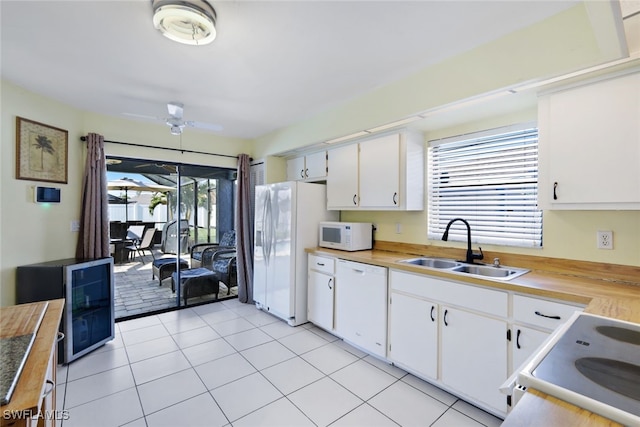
column 47, row 195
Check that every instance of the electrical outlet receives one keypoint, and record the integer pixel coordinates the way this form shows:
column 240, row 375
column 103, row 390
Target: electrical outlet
column 605, row 239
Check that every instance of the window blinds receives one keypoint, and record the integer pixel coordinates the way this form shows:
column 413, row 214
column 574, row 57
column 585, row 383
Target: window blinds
column 490, row 180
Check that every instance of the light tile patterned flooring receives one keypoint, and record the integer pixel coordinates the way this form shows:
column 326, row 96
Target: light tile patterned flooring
column 229, row 364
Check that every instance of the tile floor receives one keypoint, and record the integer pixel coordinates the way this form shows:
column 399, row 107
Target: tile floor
column 229, row 364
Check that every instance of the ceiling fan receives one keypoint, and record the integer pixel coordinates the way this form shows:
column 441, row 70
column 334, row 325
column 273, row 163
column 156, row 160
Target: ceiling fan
column 175, row 120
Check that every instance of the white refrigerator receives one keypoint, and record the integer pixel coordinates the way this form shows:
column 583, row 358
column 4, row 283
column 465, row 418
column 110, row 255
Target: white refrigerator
column 287, row 215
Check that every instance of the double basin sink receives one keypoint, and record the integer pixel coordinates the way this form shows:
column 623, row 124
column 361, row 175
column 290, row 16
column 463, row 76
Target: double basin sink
column 499, row 272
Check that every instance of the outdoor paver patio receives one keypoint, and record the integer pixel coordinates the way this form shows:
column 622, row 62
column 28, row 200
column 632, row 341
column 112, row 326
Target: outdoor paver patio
column 136, row 293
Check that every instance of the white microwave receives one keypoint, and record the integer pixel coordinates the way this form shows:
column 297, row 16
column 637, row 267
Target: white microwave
column 346, row 236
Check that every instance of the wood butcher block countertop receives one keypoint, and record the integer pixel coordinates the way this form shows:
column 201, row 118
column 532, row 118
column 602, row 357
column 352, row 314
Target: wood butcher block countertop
column 15, row 320
column 606, row 290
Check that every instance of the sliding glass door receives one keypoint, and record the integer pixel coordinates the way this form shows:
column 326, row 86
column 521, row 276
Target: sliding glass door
column 198, row 208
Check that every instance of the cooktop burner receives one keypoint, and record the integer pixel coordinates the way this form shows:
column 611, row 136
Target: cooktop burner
column 597, row 358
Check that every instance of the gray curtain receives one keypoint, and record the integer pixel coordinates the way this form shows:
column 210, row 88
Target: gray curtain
column 244, row 231
column 93, row 238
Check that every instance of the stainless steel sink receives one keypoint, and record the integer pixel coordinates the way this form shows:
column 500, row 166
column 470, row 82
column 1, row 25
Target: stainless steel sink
column 459, row 267
column 490, row 271
column 432, row 262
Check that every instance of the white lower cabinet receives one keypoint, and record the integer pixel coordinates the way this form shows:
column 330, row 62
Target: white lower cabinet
column 466, row 339
column 534, row 320
column 524, row 341
column 473, row 355
column 452, row 334
column 320, row 299
column 361, row 305
column 413, row 332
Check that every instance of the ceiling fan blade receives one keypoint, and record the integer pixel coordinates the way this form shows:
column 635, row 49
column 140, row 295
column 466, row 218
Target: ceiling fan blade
column 175, row 109
column 141, row 116
column 200, row 125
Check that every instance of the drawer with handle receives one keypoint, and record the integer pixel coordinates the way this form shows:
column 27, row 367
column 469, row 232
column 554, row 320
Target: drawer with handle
column 543, row 313
column 322, row 264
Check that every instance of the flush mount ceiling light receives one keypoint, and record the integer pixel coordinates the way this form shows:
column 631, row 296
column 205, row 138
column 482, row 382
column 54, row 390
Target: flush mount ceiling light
column 189, row 22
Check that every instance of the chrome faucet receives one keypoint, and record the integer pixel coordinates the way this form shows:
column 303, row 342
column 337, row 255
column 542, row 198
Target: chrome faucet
column 470, row 255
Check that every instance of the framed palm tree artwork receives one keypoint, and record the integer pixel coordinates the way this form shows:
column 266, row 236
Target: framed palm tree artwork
column 41, row 151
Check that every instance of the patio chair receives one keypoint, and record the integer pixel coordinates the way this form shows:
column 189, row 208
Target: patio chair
column 146, row 244
column 135, row 232
column 224, row 265
column 202, row 253
column 170, row 236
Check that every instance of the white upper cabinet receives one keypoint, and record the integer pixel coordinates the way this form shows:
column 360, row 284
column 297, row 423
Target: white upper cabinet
column 312, row 167
column 295, row 169
column 381, row 173
column 589, row 145
column 316, row 166
column 342, row 179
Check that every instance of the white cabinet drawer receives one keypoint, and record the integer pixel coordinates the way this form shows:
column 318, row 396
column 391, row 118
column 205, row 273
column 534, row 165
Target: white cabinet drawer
column 322, row 264
column 468, row 296
column 542, row 313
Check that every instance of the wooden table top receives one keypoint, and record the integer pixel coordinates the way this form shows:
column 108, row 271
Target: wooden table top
column 30, row 387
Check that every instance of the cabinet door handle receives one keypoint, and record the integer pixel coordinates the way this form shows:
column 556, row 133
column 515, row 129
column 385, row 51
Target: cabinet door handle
column 433, row 307
column 51, row 385
column 518, row 339
column 306, row 173
column 302, row 173
column 354, row 199
column 548, row 317
column 329, row 283
column 395, row 198
column 555, row 195
column 445, row 317
column 321, row 264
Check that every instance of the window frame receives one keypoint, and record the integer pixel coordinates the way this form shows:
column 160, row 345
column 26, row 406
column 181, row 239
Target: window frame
column 486, row 177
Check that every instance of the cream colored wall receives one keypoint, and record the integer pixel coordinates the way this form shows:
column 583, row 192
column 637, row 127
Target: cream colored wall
column 539, row 51
column 30, row 232
column 158, row 135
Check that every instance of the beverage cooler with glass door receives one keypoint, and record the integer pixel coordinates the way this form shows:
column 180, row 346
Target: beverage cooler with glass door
column 88, row 289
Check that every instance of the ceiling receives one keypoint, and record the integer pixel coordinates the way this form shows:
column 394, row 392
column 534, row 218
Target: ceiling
column 274, row 63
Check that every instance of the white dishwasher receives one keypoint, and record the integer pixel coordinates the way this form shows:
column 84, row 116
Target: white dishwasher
column 361, row 305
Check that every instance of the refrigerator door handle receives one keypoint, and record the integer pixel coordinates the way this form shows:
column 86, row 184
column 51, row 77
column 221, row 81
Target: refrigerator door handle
column 265, row 231
column 269, row 228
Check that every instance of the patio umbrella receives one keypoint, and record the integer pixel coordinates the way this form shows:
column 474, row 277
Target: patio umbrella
column 127, row 184
column 115, row 200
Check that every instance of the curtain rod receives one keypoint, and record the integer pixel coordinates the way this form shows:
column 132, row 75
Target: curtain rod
column 84, row 138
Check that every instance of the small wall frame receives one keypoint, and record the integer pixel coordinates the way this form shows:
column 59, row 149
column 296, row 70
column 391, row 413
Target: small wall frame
column 41, row 151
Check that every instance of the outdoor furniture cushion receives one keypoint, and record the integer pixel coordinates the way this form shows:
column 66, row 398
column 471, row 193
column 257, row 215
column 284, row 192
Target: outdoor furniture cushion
column 202, row 253
column 163, row 267
column 196, row 282
column 224, row 263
